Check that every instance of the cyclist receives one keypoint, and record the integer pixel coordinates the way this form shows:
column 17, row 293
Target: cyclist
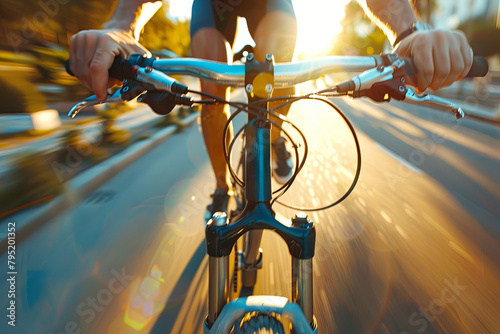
column 441, row 57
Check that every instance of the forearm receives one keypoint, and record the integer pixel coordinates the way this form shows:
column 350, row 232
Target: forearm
column 132, row 15
column 392, row 16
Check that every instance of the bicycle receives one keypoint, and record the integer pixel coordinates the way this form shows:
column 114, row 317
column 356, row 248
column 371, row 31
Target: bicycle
column 382, row 78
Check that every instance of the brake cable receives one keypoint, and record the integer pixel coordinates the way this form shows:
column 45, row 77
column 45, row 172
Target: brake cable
column 252, row 109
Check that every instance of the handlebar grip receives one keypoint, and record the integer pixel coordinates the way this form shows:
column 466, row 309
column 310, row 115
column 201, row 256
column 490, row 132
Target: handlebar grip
column 479, row 67
column 120, row 69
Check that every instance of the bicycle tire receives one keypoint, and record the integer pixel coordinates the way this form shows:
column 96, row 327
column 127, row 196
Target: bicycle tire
column 261, row 324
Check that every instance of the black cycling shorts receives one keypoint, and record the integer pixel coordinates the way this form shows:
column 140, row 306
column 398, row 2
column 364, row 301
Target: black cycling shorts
column 223, row 14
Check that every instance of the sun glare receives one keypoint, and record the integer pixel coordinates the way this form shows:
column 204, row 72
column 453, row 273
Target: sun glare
column 180, row 9
column 318, row 24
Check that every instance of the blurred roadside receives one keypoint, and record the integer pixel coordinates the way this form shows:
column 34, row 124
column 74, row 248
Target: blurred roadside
column 36, row 162
column 41, row 149
column 37, row 168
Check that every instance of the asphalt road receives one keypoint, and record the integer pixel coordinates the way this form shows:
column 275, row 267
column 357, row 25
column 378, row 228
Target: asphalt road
column 414, row 249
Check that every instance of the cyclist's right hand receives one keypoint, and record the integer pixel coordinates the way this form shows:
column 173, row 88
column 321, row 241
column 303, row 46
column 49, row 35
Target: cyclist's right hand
column 92, row 52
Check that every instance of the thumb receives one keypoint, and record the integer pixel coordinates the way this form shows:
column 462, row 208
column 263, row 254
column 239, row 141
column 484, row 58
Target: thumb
column 403, row 49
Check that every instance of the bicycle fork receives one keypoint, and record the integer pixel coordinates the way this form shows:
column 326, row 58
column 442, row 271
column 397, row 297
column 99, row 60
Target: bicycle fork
column 299, row 234
column 300, row 238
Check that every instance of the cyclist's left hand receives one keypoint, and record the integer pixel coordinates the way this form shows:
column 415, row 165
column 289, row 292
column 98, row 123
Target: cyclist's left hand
column 441, row 57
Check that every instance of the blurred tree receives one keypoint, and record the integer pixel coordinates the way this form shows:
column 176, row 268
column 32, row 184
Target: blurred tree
column 161, row 33
column 36, row 33
column 27, row 22
column 359, row 35
column 50, row 20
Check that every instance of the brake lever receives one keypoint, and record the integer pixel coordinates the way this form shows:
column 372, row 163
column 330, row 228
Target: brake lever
column 129, row 91
column 432, row 101
column 383, row 83
column 92, row 101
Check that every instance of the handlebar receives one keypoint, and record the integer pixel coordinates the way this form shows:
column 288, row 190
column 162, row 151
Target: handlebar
column 286, row 74
column 382, row 78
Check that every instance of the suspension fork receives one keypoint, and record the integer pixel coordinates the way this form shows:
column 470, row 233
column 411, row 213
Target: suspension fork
column 218, row 276
column 299, row 235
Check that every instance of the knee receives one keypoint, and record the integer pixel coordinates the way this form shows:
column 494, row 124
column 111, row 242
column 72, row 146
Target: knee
column 276, row 34
column 209, row 43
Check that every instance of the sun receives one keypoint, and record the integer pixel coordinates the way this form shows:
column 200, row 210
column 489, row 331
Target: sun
column 318, row 24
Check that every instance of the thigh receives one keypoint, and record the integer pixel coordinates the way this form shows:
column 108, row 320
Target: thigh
column 211, row 33
column 208, row 41
column 274, row 29
column 220, row 15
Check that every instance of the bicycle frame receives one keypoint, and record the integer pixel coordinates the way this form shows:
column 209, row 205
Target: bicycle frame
column 382, row 79
column 257, row 215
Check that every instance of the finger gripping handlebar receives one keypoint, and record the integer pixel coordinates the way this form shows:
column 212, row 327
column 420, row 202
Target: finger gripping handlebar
column 120, row 69
column 123, row 69
column 479, row 67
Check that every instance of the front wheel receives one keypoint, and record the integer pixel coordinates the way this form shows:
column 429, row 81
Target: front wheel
column 260, row 324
